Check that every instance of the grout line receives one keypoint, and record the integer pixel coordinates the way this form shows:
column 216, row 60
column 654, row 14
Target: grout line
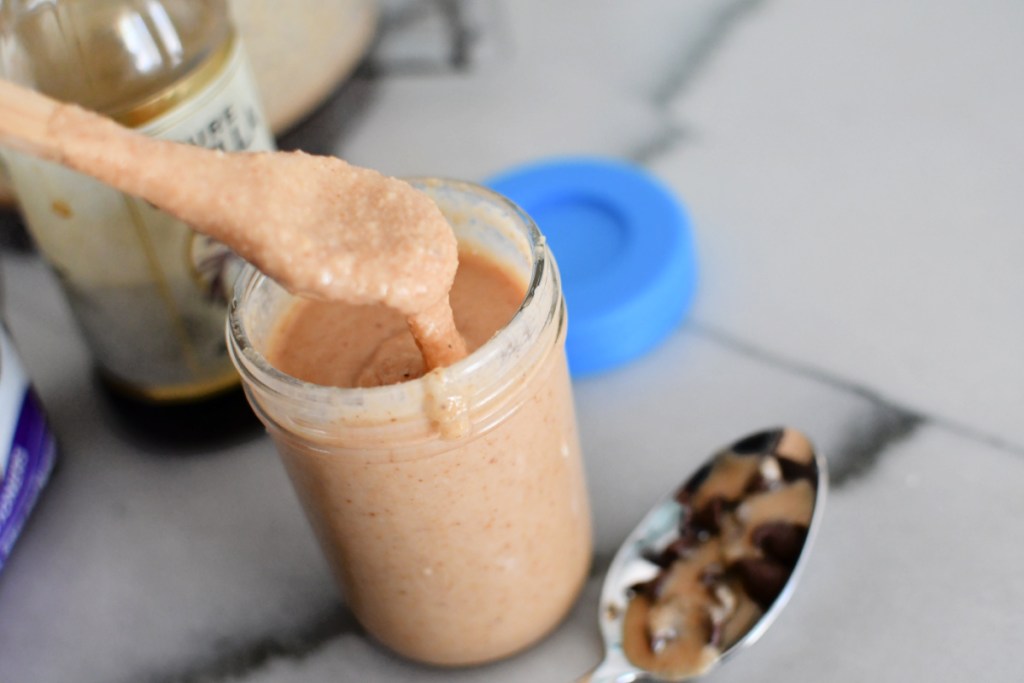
column 698, row 52
column 459, row 34
column 665, row 140
column 881, row 402
column 750, row 349
column 456, row 43
column 235, row 661
column 687, row 67
column 867, row 441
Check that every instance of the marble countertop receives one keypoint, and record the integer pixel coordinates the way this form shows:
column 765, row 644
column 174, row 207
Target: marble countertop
column 854, row 173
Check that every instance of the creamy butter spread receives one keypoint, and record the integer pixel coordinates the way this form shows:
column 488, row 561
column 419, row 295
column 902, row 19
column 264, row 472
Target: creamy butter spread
column 318, row 225
column 371, row 344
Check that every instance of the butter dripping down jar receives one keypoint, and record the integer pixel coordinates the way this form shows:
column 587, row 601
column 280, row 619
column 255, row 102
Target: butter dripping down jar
column 452, row 508
column 148, row 294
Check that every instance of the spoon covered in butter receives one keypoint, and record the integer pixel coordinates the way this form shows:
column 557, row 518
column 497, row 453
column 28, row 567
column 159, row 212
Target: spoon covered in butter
column 710, row 567
column 319, row 226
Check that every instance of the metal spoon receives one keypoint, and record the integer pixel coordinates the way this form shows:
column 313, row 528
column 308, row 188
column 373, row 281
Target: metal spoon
column 660, row 553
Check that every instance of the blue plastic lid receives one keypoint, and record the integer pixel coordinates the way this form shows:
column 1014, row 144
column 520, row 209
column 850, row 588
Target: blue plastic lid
column 624, row 249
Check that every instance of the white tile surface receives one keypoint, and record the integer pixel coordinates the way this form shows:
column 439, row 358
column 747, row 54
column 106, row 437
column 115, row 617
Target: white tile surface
column 852, row 168
column 853, row 172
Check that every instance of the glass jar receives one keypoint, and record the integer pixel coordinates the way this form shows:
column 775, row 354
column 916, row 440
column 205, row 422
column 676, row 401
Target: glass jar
column 452, row 508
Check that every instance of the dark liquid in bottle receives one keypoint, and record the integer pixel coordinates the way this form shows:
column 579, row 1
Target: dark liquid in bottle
column 187, row 427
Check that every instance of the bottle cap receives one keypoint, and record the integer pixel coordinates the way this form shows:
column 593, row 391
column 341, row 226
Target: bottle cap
column 624, row 249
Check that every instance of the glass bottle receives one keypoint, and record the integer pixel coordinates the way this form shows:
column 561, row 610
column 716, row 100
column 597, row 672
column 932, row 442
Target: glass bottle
column 147, row 292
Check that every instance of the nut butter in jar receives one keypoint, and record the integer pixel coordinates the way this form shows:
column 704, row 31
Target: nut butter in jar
column 452, row 508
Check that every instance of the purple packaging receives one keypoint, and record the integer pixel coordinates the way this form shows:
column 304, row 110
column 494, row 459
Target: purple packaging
column 27, row 447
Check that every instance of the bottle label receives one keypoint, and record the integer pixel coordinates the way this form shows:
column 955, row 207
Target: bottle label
column 148, row 293
column 27, row 448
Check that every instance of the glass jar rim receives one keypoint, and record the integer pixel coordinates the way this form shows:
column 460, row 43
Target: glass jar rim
column 258, row 370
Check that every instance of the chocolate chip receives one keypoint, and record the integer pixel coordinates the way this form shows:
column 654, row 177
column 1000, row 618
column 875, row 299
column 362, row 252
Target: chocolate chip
column 686, row 491
column 762, row 442
column 711, row 575
column 647, row 588
column 780, row 541
column 709, row 517
column 792, row 471
column 757, row 484
column 763, row 579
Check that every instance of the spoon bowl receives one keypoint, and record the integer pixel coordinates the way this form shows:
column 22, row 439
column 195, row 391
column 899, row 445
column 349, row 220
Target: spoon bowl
column 710, row 567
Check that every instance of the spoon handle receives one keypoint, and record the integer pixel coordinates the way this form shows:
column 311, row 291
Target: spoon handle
column 180, row 179
column 24, row 120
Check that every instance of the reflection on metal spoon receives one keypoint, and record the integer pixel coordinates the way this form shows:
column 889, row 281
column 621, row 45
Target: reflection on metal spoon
column 710, row 567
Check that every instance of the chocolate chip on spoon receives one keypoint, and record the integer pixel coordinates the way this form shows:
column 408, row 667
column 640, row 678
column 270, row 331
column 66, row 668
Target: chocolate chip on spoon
column 780, row 541
column 724, row 548
column 763, row 579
